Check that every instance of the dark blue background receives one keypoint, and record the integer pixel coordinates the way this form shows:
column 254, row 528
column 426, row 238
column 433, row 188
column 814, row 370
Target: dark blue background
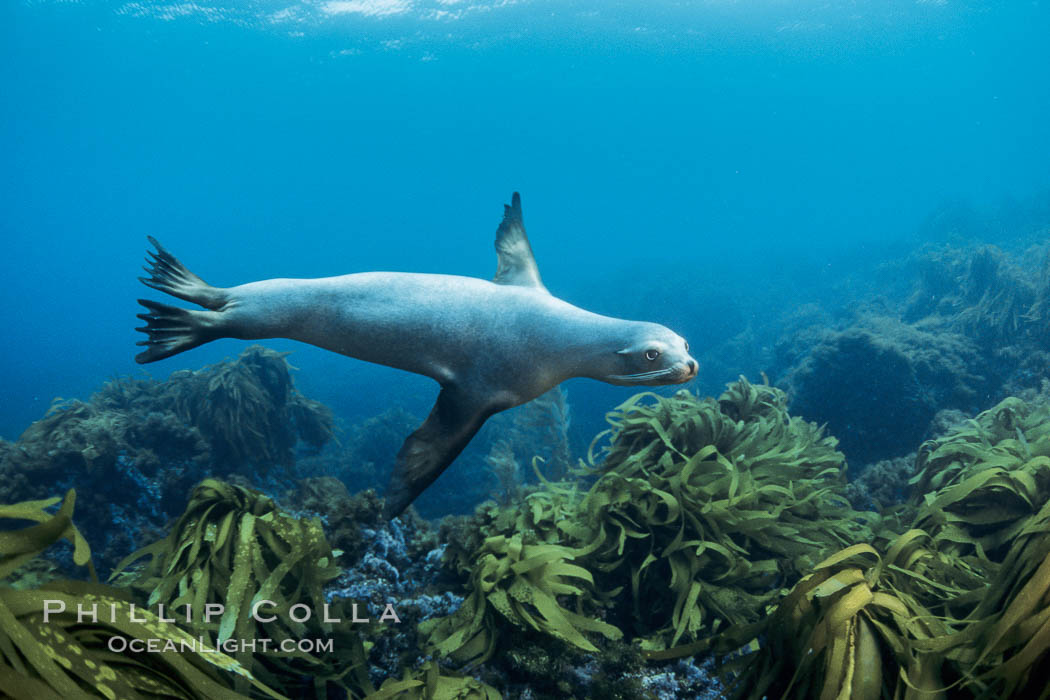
column 708, row 149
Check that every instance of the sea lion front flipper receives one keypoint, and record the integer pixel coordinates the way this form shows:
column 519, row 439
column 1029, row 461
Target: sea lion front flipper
column 426, row 453
column 516, row 264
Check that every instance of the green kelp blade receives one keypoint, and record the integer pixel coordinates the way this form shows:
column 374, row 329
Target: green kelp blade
column 153, row 628
column 19, row 546
column 239, row 579
column 29, row 510
column 1016, row 671
column 391, row 689
column 847, row 553
column 18, row 687
column 38, row 537
column 88, row 667
column 197, row 538
column 555, row 621
column 687, row 616
column 845, row 578
column 270, row 585
column 1020, row 608
column 536, row 556
column 849, row 605
column 37, row 654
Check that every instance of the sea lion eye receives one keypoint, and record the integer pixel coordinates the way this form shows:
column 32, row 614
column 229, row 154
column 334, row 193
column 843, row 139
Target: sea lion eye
column 686, row 345
column 652, row 354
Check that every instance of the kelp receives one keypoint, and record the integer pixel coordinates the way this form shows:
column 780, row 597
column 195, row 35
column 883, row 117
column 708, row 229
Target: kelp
column 721, row 525
column 717, row 503
column 959, row 603
column 520, row 583
column 77, row 652
column 429, row 683
column 976, row 488
column 20, row 546
column 233, row 546
column 697, row 516
column 846, row 632
column 1003, row 645
column 544, row 516
column 703, row 509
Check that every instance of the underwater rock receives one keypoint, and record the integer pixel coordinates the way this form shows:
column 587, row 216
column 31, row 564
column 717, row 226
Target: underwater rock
column 878, row 385
column 684, row 680
column 249, row 410
column 342, row 514
column 398, row 562
column 138, row 446
column 364, row 455
column 972, row 330
column 130, row 473
column 980, row 293
column 881, row 485
column 355, row 525
column 800, row 330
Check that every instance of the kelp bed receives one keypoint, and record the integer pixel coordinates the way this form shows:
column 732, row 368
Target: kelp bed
column 722, row 527
column 697, row 526
column 231, row 546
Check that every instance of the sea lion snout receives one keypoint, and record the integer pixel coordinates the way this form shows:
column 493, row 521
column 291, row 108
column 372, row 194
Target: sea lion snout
column 687, row 372
column 657, row 356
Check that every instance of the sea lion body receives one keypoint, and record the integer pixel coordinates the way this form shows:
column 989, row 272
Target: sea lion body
column 490, row 345
column 446, row 327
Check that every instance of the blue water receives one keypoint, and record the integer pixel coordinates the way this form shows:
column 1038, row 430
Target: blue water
column 687, row 163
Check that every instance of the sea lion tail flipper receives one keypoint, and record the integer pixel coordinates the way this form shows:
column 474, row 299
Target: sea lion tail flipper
column 172, row 330
column 170, row 276
column 427, row 452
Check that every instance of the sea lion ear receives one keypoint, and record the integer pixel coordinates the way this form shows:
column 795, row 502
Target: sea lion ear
column 516, row 264
column 633, row 349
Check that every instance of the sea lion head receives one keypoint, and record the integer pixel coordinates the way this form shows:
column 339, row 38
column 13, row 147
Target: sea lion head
column 653, row 355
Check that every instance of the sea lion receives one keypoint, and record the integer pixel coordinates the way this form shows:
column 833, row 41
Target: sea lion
column 490, row 345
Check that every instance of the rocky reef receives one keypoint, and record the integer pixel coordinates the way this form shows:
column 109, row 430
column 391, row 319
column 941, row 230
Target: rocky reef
column 970, row 331
column 138, row 447
column 705, row 548
column 880, row 382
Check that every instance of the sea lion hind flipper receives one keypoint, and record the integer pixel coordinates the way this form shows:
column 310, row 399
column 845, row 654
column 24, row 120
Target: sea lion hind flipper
column 172, row 330
column 427, row 452
column 168, row 275
column 516, row 263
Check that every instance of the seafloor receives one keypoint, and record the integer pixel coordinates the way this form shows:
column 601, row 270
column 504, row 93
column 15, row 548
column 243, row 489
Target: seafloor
column 701, row 547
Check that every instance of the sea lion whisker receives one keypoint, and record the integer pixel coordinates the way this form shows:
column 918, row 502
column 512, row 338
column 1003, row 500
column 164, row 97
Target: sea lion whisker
column 643, row 376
